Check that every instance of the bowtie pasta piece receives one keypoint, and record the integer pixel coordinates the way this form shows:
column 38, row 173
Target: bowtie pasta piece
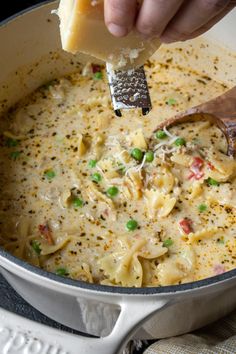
column 195, row 189
column 182, row 159
column 158, row 204
column 81, row 272
column 132, row 186
column 176, row 268
column 224, row 166
column 47, row 249
column 96, row 196
column 124, row 266
column 98, row 145
column 203, row 234
column 163, row 180
column 108, row 169
column 137, row 139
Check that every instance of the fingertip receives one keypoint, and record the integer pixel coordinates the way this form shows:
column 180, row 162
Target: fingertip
column 146, row 32
column 173, row 36
column 167, row 40
column 117, row 30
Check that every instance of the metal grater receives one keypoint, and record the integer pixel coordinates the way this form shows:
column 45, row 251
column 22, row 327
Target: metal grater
column 129, row 89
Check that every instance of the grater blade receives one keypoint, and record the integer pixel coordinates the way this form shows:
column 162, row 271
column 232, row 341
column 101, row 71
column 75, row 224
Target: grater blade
column 128, row 89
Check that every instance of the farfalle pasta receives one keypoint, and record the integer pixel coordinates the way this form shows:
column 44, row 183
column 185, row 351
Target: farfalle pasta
column 110, row 200
column 224, row 166
column 177, row 267
column 158, row 204
column 124, row 266
column 163, row 180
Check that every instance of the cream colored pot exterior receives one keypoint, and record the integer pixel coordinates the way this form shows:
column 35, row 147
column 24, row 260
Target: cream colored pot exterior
column 30, row 56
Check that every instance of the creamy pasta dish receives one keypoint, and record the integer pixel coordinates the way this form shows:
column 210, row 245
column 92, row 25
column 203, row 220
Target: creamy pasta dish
column 109, row 200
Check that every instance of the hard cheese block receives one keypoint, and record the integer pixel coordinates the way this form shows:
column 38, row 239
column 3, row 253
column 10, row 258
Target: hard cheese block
column 83, row 30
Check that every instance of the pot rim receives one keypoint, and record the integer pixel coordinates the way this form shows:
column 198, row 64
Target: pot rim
column 171, row 289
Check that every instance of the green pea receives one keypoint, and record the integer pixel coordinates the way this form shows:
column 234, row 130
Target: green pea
column 62, row 272
column 14, row 155
column 137, row 154
column 168, row 242
column 180, row 142
column 202, row 208
column 171, row 102
column 160, row 134
column 131, row 225
column 92, row 163
column 77, row 202
column 149, row 156
column 112, row 191
column 96, row 177
column 212, row 182
column 49, row 174
column 98, row 75
column 12, row 142
column 36, row 247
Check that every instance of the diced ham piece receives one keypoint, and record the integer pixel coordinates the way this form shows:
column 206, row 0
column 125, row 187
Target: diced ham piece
column 96, row 68
column 196, row 168
column 186, row 225
column 46, row 232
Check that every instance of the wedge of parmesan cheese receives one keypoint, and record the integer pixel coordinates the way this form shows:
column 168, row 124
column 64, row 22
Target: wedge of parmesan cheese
column 83, row 30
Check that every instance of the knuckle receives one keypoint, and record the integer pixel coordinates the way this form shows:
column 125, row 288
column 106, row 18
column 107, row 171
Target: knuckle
column 120, row 12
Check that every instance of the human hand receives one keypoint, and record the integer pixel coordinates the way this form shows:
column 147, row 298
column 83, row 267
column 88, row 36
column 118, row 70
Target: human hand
column 171, row 20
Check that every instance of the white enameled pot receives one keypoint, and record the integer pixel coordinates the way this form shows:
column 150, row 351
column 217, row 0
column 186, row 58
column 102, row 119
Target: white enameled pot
column 30, row 56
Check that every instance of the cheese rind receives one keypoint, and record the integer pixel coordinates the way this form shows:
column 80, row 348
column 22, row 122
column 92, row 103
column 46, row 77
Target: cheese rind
column 83, row 30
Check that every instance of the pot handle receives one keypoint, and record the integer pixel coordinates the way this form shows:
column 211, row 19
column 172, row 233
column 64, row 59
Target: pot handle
column 19, row 335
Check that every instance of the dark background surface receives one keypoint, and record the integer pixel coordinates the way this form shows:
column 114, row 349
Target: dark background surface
column 9, row 299
column 10, row 7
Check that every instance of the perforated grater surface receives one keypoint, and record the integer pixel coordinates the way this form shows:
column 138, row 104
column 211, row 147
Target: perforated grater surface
column 129, row 89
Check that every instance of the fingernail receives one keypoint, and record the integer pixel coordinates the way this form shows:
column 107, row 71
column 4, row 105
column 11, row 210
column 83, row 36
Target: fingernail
column 147, row 33
column 165, row 39
column 145, row 36
column 117, row 30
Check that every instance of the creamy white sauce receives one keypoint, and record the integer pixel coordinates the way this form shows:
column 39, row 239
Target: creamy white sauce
column 49, row 140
